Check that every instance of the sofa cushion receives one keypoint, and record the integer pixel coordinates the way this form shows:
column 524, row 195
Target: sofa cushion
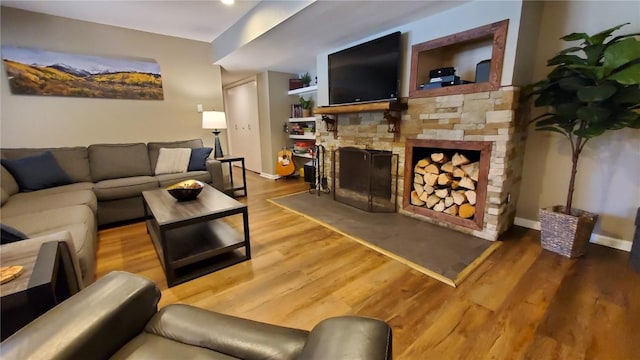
column 37, row 172
column 79, row 220
column 8, row 183
column 59, row 189
column 154, row 148
column 199, row 158
column 114, row 161
column 36, row 201
column 73, row 160
column 170, row 179
column 9, row 234
column 149, row 346
column 124, row 188
column 171, row 161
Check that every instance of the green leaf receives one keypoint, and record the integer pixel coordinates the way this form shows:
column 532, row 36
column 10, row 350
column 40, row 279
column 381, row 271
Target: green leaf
column 570, row 50
column 621, row 53
column 629, row 95
column 575, row 37
column 589, row 71
column 593, row 114
column 596, row 93
column 627, row 76
column 573, row 83
column 594, row 53
column 600, row 37
column 590, row 132
column 568, row 110
column 566, row 59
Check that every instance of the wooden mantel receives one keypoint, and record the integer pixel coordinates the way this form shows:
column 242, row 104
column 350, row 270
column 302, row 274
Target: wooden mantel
column 386, row 106
column 355, row 108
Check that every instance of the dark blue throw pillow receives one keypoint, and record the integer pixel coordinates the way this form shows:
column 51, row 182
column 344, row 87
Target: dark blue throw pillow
column 9, row 234
column 198, row 158
column 37, row 172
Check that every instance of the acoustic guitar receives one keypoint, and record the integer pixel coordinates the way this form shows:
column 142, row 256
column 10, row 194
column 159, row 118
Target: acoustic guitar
column 285, row 165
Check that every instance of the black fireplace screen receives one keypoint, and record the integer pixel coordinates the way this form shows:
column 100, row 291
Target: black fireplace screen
column 364, row 178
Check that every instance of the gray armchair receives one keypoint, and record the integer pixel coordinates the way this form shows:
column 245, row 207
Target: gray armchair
column 117, row 318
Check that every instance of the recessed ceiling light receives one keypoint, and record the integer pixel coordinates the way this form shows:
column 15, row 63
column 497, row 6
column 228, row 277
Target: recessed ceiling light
column 227, row 2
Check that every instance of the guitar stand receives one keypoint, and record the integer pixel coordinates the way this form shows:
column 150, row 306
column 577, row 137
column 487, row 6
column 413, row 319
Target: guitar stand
column 320, row 185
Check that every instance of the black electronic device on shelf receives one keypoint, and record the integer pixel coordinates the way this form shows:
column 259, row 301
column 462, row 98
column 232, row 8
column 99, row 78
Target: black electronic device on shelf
column 445, row 71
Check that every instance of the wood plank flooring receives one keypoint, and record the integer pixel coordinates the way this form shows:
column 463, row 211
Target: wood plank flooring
column 521, row 303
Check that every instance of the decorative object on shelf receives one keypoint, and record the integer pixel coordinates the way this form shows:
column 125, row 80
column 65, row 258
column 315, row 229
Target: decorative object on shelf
column 295, row 84
column 296, row 129
column 482, row 71
column 64, row 74
column 306, row 79
column 392, row 122
column 586, row 96
column 330, row 123
column 186, row 190
column 307, row 105
column 215, row 120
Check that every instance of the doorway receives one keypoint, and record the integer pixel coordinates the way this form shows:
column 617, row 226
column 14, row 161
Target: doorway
column 241, row 105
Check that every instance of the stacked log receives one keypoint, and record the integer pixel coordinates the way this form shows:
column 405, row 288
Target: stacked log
column 446, row 185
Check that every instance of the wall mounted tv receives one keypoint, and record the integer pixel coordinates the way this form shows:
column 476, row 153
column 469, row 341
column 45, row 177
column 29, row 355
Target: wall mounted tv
column 367, row 72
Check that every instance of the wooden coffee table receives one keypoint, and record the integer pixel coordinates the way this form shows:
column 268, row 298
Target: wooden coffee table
column 190, row 237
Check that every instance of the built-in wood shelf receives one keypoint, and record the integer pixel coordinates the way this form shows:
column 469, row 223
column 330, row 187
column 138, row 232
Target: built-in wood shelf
column 459, row 51
column 386, row 106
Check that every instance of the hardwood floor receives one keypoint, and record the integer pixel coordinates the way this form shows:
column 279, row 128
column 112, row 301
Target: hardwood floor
column 521, row 303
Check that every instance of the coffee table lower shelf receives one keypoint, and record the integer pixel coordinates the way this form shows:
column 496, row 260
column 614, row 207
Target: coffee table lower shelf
column 196, row 249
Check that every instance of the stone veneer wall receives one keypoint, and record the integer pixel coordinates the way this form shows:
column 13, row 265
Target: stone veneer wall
column 485, row 116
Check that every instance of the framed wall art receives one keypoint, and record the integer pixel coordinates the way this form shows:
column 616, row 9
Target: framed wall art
column 48, row 73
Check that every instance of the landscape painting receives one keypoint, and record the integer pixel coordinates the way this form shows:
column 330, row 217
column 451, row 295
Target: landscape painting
column 39, row 72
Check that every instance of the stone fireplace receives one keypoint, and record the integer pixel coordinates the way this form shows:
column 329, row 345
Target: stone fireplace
column 485, row 126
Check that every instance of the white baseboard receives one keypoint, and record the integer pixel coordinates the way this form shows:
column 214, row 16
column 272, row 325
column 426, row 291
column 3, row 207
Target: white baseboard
column 595, row 238
column 270, row 176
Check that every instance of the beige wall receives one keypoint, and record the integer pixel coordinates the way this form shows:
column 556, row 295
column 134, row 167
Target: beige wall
column 188, row 78
column 608, row 180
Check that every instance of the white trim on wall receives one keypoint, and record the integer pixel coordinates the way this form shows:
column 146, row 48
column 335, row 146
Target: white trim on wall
column 595, row 238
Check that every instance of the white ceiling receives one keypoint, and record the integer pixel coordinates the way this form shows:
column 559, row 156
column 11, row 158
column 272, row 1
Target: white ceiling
column 289, row 47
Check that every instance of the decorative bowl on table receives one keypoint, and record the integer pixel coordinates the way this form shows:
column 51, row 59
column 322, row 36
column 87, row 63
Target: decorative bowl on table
column 186, row 190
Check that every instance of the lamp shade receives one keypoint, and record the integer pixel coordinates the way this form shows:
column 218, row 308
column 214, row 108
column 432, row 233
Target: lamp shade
column 214, row 120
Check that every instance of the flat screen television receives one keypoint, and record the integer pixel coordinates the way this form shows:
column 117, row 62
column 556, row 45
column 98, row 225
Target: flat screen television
column 367, row 72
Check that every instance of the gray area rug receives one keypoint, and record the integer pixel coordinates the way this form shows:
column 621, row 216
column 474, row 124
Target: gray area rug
column 444, row 254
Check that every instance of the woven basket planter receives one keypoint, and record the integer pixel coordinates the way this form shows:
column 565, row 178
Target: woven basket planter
column 567, row 235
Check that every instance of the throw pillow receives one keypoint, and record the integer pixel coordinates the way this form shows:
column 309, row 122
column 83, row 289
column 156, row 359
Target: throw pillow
column 9, row 234
column 199, row 158
column 171, row 161
column 37, row 172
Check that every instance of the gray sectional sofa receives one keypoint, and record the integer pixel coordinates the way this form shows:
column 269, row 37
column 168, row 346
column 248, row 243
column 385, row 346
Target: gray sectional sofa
column 106, row 185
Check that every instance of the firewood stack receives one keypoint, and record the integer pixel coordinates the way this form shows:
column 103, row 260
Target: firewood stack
column 446, row 185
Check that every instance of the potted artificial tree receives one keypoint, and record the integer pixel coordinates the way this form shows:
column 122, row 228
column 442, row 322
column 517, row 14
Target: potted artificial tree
column 306, row 79
column 306, row 105
column 593, row 88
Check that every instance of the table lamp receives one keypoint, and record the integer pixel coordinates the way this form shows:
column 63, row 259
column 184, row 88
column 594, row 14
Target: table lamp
column 215, row 120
